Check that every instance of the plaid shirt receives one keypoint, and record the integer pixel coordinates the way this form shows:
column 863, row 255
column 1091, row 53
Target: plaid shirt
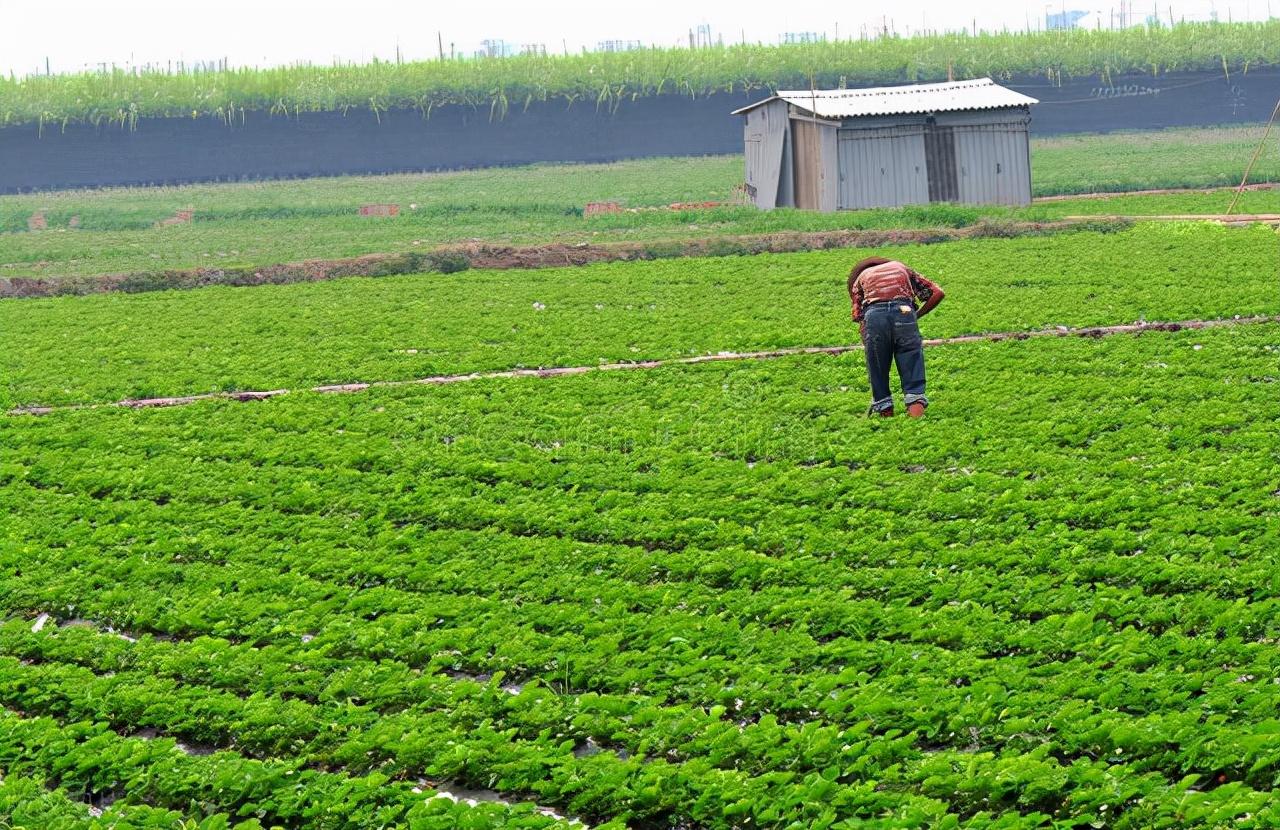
column 890, row 281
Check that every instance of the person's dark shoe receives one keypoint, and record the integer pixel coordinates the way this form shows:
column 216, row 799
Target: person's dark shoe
column 886, row 413
column 915, row 410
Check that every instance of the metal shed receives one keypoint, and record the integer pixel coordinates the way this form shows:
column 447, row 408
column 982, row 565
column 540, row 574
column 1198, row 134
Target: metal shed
column 839, row 149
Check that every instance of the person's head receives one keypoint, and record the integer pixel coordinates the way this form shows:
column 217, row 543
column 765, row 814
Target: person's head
column 863, row 265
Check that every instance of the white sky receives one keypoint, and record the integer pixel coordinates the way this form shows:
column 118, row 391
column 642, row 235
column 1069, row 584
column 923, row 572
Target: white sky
column 78, row 34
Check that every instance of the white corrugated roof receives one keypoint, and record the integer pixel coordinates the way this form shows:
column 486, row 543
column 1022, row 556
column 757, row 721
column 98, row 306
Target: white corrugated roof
column 978, row 94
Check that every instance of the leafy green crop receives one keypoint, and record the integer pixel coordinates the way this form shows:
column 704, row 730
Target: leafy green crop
column 710, row 595
column 396, row 328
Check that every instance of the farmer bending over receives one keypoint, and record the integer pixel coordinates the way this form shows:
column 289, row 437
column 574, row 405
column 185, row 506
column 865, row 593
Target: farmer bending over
column 884, row 294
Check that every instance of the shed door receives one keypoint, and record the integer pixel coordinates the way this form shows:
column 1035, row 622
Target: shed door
column 882, row 168
column 940, row 159
column 992, row 160
column 808, row 159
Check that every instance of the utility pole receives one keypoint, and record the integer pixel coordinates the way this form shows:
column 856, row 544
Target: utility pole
column 440, row 42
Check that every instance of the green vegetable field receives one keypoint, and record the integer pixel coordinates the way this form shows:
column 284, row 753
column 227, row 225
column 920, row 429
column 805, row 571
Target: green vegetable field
column 395, row 328
column 710, row 596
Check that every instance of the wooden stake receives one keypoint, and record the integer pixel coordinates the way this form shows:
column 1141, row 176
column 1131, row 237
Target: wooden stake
column 1256, row 153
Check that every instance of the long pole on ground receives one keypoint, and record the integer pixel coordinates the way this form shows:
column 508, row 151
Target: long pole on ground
column 1256, row 153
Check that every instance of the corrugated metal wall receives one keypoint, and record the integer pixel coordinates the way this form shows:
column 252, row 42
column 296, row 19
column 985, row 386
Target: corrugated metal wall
column 764, row 136
column 993, row 164
column 940, row 163
column 882, row 167
column 807, row 148
column 882, row 161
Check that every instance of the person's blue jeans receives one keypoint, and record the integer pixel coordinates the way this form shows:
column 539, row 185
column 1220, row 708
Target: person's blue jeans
column 892, row 335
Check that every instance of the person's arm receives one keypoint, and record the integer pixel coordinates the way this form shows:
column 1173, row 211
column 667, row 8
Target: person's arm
column 927, row 290
column 855, row 300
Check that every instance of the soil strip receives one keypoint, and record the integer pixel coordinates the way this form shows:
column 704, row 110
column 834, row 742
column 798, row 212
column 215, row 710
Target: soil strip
column 563, row 371
column 1167, row 191
column 449, row 259
column 1234, row 219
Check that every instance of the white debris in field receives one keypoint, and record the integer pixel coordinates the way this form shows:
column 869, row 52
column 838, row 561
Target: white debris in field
column 587, row 749
column 413, row 206
column 512, row 688
column 122, row 635
column 40, row 623
column 460, row 795
column 306, row 638
column 1062, row 328
column 539, row 306
column 1197, row 347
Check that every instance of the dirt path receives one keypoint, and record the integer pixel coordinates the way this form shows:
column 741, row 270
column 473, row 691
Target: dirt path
column 563, row 371
column 1168, row 191
column 1234, row 219
column 447, row 259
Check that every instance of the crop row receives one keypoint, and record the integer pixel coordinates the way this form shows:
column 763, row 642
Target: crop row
column 397, row 328
column 763, row 599
column 608, row 79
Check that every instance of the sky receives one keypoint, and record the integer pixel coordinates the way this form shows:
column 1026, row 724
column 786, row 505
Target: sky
column 72, row 35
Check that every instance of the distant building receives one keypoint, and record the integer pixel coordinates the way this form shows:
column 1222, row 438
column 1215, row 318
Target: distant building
column 496, row 48
column 618, row 45
column 1064, row 20
column 840, row 149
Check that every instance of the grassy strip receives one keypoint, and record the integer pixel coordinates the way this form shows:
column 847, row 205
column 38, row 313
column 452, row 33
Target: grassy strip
column 608, row 80
column 1176, row 158
column 264, row 224
column 451, row 259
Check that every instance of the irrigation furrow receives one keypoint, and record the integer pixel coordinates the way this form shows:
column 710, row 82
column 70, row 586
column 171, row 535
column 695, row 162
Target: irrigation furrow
column 201, row 781
column 565, row 371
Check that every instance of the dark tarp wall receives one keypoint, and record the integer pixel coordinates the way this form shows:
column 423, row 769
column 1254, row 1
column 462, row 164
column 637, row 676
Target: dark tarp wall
column 176, row 150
